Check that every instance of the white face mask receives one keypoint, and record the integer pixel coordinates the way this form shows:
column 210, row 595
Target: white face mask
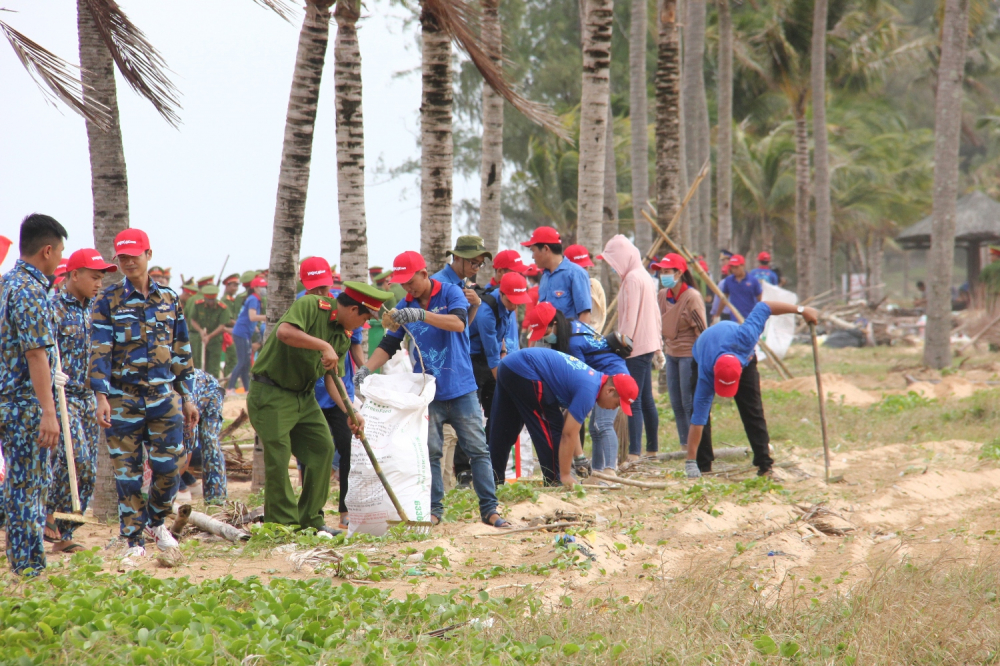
column 261, row 292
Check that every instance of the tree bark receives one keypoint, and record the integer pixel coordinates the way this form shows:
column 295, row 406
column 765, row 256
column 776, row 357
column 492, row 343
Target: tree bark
column 947, row 139
column 694, row 51
column 803, row 243
column 436, row 147
column 821, row 159
column 668, row 125
column 491, row 172
column 876, row 258
column 296, row 158
column 639, row 117
column 350, row 145
column 593, row 123
column 610, row 226
column 724, row 150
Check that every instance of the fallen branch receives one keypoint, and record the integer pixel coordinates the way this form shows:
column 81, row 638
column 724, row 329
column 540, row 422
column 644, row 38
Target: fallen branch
column 536, row 528
column 975, row 338
column 630, row 482
column 206, row 523
column 181, row 521
column 235, row 425
column 732, row 452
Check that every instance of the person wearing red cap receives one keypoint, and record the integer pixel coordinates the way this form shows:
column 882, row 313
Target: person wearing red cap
column 580, row 256
column 71, row 318
column 744, row 291
column 563, row 283
column 60, row 274
column 251, row 315
column 506, row 261
column 28, row 414
column 763, row 272
column 141, row 371
column 727, row 366
column 436, row 315
column 534, row 386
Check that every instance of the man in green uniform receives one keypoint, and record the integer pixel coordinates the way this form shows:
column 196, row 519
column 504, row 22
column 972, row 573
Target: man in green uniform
column 188, row 289
column 231, row 284
column 381, row 280
column 212, row 316
column 196, row 332
column 310, row 341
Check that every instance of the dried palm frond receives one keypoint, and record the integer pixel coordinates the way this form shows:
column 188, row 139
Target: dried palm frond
column 61, row 78
column 279, row 7
column 314, row 557
column 822, row 519
column 141, row 65
column 459, row 20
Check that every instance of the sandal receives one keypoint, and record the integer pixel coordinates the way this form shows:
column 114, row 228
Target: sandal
column 499, row 523
column 69, row 548
column 435, row 520
column 50, row 525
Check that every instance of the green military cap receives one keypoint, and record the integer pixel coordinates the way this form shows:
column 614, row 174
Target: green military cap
column 234, row 277
column 470, row 247
column 383, row 275
column 208, row 279
column 369, row 296
column 190, row 286
column 247, row 276
column 209, row 290
column 155, row 271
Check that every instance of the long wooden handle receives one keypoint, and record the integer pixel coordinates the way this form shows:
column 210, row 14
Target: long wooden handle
column 822, row 400
column 68, row 440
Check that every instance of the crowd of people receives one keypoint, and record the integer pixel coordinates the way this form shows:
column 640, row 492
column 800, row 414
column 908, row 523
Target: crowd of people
column 527, row 350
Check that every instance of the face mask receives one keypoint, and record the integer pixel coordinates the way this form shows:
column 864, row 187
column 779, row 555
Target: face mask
column 261, row 292
column 550, row 338
column 668, row 281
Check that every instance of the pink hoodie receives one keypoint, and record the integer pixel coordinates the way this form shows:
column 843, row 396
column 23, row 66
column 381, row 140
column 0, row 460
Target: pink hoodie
column 638, row 314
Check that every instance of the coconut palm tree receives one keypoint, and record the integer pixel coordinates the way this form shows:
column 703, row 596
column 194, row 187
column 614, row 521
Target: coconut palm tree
column 491, row 171
column 821, row 159
column 668, row 125
column 764, row 182
column 693, row 91
column 609, row 226
column 725, row 132
column 639, row 124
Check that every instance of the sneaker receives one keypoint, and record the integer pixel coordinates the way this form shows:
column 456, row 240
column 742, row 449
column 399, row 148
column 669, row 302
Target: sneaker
column 464, row 479
column 162, row 536
column 134, row 552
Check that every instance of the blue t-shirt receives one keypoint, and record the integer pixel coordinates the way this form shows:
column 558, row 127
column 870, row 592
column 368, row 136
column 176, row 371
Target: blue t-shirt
column 567, row 288
column 322, row 397
column 726, row 337
column 743, row 294
column 593, row 348
column 447, row 275
column 446, row 354
column 570, row 381
column 486, row 334
column 512, row 334
column 765, row 275
column 244, row 327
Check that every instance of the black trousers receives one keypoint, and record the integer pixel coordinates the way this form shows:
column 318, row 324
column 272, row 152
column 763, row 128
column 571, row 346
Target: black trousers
column 520, row 402
column 705, row 454
column 341, row 431
column 486, row 387
column 751, row 407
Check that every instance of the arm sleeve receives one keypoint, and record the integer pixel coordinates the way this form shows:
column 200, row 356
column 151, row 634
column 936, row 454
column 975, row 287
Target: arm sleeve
column 298, row 314
column 34, row 326
column 462, row 314
column 180, row 362
column 758, row 288
column 696, row 314
column 487, row 323
column 581, row 291
column 583, row 402
column 704, row 394
column 391, row 343
column 716, row 303
column 749, row 331
column 628, row 315
column 102, row 345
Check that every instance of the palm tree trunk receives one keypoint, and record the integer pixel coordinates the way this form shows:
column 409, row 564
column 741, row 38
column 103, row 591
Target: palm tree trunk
column 109, row 188
column 296, row 158
column 876, row 258
column 821, row 158
column 639, row 122
column 704, row 156
column 803, row 242
column 610, row 225
column 694, row 84
column 947, row 138
column 669, row 163
column 350, row 144
column 436, row 147
column 491, row 172
column 593, row 123
column 725, row 135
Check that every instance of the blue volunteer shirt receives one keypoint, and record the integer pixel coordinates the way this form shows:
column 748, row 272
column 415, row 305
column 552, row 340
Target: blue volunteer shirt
column 244, row 327
column 765, row 275
column 486, row 334
column 512, row 335
column 447, row 275
column 572, row 383
column 726, row 337
column 322, row 397
column 445, row 354
column 743, row 294
column 567, row 288
column 593, row 348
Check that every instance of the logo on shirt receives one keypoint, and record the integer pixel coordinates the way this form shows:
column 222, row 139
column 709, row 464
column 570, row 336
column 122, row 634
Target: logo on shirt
column 560, row 294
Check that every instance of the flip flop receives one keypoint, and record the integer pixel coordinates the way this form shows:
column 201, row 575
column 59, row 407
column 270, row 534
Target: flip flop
column 499, row 523
column 51, row 526
column 435, row 520
column 70, row 547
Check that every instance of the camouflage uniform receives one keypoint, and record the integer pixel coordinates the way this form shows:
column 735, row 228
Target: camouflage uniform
column 141, row 359
column 71, row 320
column 208, row 396
column 25, row 324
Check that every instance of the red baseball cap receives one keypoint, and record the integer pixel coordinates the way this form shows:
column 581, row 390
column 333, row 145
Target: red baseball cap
column 61, row 268
column 405, row 266
column 543, row 235
column 88, row 258
column 509, row 260
column 579, row 255
column 531, row 270
column 764, row 257
column 315, row 272
column 5, row 244
column 515, row 288
column 131, row 242
column 627, row 390
column 727, row 375
column 599, row 257
column 258, row 282
column 674, row 261
column 539, row 320
column 737, row 260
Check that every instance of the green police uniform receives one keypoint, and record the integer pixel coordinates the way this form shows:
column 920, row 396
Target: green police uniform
column 229, row 356
column 192, row 311
column 210, row 313
column 284, row 412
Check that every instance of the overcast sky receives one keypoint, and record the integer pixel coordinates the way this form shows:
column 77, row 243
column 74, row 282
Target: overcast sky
column 208, row 189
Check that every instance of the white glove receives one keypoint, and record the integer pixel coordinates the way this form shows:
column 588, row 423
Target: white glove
column 691, row 469
column 60, row 379
column 659, row 360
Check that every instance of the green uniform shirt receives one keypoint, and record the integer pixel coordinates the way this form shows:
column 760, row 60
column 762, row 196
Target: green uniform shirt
column 297, row 369
column 210, row 314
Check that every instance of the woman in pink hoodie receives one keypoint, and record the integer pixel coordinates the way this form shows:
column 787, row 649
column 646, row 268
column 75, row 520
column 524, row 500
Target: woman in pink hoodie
column 639, row 319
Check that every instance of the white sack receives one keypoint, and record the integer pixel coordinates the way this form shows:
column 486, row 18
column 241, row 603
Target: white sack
column 779, row 331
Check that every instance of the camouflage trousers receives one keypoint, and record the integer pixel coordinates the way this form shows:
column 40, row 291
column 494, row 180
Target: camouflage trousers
column 84, row 433
column 24, row 489
column 152, row 419
column 204, row 439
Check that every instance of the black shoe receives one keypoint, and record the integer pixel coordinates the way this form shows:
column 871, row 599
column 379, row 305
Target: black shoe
column 329, row 530
column 464, row 479
column 582, row 466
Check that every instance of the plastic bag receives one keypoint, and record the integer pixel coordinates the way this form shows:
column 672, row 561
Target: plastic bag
column 779, row 331
column 396, row 421
column 399, row 364
column 527, row 458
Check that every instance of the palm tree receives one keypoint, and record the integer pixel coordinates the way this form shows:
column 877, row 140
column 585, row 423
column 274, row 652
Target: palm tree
column 947, row 126
column 696, row 119
column 639, row 124
column 764, row 181
column 725, row 135
column 609, row 226
column 491, row 172
column 350, row 144
column 821, row 158
column 668, row 121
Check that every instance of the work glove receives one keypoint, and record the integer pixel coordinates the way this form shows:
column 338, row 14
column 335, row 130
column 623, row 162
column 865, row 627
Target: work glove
column 60, row 379
column 691, row 469
column 361, row 375
column 659, row 360
column 582, row 466
column 408, row 315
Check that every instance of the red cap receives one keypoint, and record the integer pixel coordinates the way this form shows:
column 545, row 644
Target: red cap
column 539, row 320
column 543, row 235
column 336, row 278
column 599, row 257
column 5, row 244
column 627, row 390
column 532, row 270
column 515, row 288
column 509, row 260
column 405, row 266
column 131, row 242
column 674, row 261
column 579, row 255
column 737, row 260
column 89, row 258
column 258, row 282
column 315, row 272
column 727, row 375
column 764, row 257
column 61, row 268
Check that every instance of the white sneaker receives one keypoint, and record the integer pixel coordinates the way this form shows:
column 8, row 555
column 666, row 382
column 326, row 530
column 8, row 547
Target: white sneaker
column 135, row 552
column 162, row 536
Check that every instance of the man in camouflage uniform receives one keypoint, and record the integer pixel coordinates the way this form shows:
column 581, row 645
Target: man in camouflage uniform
column 71, row 318
column 140, row 368
column 211, row 316
column 202, row 441
column 28, row 414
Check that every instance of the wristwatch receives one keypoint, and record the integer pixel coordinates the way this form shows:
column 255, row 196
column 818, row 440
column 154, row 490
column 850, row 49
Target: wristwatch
column 800, row 309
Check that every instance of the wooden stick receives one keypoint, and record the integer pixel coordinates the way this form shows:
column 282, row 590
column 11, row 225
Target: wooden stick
column 181, row 521
column 536, row 528
column 978, row 335
column 822, row 400
column 629, row 482
column 731, row 452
